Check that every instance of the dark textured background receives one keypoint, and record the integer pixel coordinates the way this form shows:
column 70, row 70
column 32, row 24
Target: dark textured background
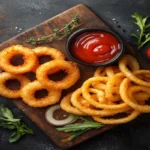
column 18, row 15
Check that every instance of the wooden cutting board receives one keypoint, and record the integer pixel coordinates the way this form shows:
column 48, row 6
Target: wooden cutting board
column 88, row 19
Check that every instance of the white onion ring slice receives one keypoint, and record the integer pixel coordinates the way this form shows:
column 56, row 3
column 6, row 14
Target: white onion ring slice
column 49, row 117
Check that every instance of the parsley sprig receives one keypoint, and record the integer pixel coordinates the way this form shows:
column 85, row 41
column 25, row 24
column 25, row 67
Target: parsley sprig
column 57, row 34
column 8, row 121
column 144, row 35
column 78, row 128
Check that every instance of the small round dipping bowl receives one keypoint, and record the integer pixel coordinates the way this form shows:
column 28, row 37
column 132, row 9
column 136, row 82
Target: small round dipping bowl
column 79, row 32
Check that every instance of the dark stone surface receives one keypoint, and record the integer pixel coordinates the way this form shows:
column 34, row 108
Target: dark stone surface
column 16, row 16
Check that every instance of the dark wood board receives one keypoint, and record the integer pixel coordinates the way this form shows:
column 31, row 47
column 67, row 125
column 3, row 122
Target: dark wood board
column 88, row 19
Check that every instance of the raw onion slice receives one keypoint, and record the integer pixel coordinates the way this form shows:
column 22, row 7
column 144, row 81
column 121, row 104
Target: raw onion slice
column 49, row 117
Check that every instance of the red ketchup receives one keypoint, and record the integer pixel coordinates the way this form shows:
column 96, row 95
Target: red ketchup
column 148, row 52
column 95, row 47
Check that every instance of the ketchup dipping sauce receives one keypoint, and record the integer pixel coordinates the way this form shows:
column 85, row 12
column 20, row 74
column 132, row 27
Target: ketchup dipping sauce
column 95, row 47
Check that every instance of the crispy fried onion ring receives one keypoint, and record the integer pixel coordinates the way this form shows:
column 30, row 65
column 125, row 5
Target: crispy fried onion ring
column 132, row 115
column 97, row 95
column 100, row 72
column 5, row 91
column 83, row 105
column 100, row 85
column 54, row 66
column 109, row 71
column 141, row 77
column 48, row 51
column 127, row 91
column 130, row 61
column 67, row 106
column 30, row 59
column 112, row 70
column 140, row 96
column 106, row 71
column 86, row 94
column 112, row 87
column 28, row 95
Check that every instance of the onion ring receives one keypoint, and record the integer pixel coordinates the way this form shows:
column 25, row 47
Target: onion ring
column 128, row 98
column 139, row 81
column 134, row 114
column 76, row 100
column 66, row 106
column 27, row 94
column 112, row 87
column 4, row 76
column 112, row 70
column 106, row 71
column 131, row 62
column 141, row 96
column 87, row 96
column 100, row 95
column 30, row 59
column 48, row 51
column 100, row 72
column 54, row 66
column 100, row 85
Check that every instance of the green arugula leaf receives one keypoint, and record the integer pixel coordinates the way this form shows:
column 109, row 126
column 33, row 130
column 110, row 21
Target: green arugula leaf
column 75, row 134
column 8, row 121
column 6, row 112
column 79, row 128
column 134, row 35
column 147, row 26
column 147, row 35
column 14, row 137
column 138, row 19
column 8, row 125
column 23, row 129
column 141, row 22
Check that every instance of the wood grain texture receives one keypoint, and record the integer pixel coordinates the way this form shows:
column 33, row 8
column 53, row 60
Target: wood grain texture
column 88, row 19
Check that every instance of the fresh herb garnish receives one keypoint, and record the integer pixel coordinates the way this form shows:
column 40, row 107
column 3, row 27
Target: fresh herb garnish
column 8, row 121
column 144, row 35
column 79, row 128
column 57, row 34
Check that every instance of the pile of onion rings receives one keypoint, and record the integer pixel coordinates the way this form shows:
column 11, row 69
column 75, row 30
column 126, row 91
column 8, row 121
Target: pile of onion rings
column 28, row 89
column 115, row 95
